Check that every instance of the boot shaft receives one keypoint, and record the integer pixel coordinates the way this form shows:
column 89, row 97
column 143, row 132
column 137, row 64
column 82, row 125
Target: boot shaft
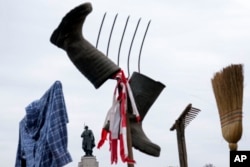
column 145, row 91
column 93, row 64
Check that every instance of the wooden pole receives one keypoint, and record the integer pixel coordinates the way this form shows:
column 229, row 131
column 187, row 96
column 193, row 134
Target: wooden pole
column 181, row 143
column 184, row 119
column 129, row 141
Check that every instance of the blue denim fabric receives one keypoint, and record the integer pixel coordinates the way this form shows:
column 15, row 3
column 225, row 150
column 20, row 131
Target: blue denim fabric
column 43, row 132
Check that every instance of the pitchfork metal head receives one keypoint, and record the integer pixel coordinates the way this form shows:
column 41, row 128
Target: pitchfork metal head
column 131, row 44
column 186, row 116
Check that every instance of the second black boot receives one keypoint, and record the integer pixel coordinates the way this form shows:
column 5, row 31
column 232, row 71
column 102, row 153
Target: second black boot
column 92, row 63
column 145, row 91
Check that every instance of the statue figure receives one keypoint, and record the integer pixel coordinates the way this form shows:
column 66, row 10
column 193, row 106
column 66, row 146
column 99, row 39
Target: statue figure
column 88, row 141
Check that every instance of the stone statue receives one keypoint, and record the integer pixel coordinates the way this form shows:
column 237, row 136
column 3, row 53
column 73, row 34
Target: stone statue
column 88, row 141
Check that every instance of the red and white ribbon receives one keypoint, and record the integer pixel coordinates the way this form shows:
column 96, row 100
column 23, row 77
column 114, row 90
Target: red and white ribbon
column 116, row 119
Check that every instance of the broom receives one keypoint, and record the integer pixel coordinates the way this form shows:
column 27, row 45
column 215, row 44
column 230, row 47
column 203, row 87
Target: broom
column 228, row 90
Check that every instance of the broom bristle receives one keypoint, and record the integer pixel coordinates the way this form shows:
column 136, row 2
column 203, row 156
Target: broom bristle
column 228, row 91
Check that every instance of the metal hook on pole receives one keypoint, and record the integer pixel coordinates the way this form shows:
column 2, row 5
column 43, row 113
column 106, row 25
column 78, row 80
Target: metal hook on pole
column 139, row 58
column 132, row 45
column 125, row 27
column 111, row 32
column 99, row 33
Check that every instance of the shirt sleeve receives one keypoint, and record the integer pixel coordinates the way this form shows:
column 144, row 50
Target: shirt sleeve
column 20, row 159
column 18, row 154
column 57, row 137
column 57, row 141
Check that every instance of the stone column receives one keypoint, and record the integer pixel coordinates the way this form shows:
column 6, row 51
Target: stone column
column 88, row 161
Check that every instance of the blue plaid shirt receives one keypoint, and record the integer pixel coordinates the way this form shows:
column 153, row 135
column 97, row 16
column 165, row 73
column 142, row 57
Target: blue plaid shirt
column 43, row 132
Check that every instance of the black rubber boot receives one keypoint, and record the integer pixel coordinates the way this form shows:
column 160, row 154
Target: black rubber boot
column 92, row 63
column 145, row 91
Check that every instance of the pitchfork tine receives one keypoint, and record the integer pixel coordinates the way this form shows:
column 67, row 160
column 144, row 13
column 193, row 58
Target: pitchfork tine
column 111, row 32
column 139, row 58
column 97, row 41
column 125, row 27
column 132, row 44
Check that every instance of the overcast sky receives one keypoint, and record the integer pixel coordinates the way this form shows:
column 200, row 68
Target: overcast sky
column 187, row 42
